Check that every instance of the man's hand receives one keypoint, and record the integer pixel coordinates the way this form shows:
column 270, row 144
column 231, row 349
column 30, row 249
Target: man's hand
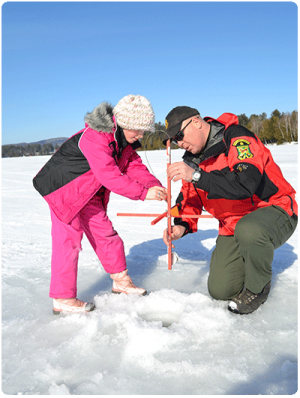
column 157, row 193
column 180, row 171
column 177, row 231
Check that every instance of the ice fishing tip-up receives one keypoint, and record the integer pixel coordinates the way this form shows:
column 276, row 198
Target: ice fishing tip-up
column 171, row 212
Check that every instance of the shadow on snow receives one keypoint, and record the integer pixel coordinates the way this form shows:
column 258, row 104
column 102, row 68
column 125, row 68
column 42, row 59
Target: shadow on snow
column 143, row 258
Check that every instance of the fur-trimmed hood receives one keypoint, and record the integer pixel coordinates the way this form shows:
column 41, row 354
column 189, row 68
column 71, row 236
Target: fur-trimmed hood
column 101, row 118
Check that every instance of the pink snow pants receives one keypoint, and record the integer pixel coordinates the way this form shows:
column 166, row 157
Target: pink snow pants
column 66, row 244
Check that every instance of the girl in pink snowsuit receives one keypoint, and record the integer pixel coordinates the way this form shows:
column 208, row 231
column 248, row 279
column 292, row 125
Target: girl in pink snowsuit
column 77, row 181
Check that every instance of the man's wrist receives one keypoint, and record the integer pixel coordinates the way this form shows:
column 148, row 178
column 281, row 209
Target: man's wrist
column 196, row 175
column 178, row 221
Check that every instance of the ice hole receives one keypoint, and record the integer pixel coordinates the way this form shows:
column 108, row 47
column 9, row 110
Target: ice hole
column 166, row 318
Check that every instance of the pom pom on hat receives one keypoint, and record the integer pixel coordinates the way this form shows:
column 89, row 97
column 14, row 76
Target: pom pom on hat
column 134, row 112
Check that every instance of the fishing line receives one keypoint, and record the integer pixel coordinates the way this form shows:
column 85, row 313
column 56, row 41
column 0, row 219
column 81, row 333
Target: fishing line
column 157, row 131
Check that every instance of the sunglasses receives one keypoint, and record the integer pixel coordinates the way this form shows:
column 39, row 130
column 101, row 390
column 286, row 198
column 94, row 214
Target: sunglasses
column 179, row 136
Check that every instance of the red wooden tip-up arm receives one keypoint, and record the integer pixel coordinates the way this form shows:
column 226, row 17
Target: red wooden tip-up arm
column 169, row 207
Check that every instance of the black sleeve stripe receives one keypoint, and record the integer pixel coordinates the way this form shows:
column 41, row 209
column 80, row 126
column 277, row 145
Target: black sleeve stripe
column 226, row 184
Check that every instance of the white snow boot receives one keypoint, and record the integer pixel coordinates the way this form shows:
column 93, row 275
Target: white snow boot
column 122, row 283
column 71, row 305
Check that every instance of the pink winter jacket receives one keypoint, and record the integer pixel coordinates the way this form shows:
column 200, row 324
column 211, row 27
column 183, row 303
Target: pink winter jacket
column 85, row 163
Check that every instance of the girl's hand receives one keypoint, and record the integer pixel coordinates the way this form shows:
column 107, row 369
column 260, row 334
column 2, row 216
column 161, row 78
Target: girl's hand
column 156, row 193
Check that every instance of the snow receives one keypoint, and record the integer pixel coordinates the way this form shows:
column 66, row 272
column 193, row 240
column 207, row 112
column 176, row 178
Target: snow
column 232, row 305
column 174, row 341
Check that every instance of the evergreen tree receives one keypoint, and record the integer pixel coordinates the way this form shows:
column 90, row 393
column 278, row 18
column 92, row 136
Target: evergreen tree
column 243, row 120
column 276, row 113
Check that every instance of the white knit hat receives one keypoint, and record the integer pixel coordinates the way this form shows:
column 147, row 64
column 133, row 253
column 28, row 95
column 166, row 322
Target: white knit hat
column 134, row 112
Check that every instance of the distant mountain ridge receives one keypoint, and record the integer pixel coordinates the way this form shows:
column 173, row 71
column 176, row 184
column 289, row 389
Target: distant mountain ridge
column 53, row 141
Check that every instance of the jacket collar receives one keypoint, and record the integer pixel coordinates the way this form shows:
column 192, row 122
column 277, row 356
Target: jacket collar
column 214, row 146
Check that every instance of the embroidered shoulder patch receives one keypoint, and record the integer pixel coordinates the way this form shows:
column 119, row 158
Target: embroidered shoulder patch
column 243, row 149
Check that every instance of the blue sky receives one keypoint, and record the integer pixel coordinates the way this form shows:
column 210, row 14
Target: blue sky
column 61, row 59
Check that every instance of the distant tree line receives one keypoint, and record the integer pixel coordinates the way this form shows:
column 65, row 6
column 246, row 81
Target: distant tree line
column 278, row 129
column 10, row 151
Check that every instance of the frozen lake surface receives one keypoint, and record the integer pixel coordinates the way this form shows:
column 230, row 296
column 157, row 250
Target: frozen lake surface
column 175, row 340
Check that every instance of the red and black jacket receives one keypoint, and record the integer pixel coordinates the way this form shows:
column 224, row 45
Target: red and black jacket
column 238, row 176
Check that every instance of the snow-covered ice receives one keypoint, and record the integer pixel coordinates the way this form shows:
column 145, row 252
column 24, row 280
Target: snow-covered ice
column 175, row 340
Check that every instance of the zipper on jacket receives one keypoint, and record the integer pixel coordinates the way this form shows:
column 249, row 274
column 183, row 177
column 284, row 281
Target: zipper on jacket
column 195, row 187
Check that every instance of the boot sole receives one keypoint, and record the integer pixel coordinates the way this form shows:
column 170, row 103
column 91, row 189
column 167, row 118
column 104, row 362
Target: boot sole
column 68, row 312
column 143, row 294
column 58, row 312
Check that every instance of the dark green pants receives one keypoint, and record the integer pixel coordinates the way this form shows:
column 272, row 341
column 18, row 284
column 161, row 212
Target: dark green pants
column 245, row 259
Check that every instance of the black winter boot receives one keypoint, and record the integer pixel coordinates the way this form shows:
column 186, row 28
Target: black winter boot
column 247, row 302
